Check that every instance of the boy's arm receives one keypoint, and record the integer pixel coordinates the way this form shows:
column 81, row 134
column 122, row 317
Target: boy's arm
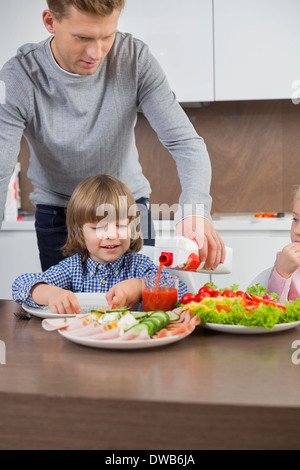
column 56, row 276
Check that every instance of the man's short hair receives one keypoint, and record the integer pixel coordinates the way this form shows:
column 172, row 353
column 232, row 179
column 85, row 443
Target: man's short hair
column 60, row 8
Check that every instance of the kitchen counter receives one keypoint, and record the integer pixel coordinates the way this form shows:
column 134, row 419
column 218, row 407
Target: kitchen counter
column 254, row 242
column 209, row 391
column 232, row 222
column 248, row 222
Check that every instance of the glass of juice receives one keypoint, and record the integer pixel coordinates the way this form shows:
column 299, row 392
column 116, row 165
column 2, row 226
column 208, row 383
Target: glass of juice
column 159, row 293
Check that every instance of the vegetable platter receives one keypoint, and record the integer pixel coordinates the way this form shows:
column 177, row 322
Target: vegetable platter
column 231, row 310
column 123, row 329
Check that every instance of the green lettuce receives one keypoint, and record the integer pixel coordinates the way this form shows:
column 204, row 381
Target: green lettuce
column 266, row 316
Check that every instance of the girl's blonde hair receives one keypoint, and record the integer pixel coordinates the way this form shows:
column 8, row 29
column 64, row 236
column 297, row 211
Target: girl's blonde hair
column 60, row 8
column 94, row 199
column 297, row 193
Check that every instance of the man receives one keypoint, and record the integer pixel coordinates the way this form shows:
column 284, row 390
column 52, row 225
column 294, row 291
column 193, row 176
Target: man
column 75, row 98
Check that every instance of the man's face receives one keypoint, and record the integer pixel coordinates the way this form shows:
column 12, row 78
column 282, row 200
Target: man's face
column 81, row 41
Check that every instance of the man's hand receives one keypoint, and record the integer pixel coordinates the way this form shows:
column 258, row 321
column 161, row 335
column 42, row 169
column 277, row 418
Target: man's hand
column 211, row 246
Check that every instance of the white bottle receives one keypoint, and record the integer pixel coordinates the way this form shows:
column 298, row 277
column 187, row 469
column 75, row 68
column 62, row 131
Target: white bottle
column 183, row 253
column 12, row 199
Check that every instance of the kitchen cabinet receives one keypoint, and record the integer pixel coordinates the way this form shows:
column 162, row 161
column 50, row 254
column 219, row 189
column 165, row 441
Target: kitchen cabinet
column 18, row 253
column 220, row 51
column 256, row 49
column 20, row 23
column 255, row 243
column 180, row 36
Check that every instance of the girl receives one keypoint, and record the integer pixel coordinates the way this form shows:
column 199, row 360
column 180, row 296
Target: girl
column 101, row 249
column 285, row 276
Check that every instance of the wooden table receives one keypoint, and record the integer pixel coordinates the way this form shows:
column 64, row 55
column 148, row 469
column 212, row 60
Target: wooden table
column 209, row 391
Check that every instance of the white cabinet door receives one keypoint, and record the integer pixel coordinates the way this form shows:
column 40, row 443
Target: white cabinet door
column 19, row 255
column 256, row 49
column 20, row 23
column 252, row 253
column 180, row 36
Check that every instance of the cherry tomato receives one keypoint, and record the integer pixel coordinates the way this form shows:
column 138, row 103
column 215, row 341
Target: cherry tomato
column 207, row 289
column 201, row 296
column 228, row 293
column 241, row 294
column 216, row 293
column 187, row 298
column 192, row 263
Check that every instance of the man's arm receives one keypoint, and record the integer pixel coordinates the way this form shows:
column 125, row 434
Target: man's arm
column 188, row 149
column 12, row 125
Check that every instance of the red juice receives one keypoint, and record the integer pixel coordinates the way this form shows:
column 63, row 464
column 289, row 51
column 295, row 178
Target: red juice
column 159, row 298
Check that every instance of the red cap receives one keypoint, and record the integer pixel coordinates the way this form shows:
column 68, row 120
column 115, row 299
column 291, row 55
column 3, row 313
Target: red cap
column 166, row 258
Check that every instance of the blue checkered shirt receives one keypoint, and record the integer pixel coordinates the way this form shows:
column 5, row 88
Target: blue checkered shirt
column 71, row 274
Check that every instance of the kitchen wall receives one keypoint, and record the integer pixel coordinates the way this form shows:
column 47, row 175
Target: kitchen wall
column 254, row 148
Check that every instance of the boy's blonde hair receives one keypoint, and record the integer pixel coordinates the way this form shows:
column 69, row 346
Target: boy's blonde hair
column 94, row 199
column 60, row 8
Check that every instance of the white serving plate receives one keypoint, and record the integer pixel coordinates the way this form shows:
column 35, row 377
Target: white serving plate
column 247, row 330
column 132, row 344
column 88, row 302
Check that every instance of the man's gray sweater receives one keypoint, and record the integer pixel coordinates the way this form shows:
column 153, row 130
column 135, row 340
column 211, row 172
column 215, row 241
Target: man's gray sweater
column 77, row 126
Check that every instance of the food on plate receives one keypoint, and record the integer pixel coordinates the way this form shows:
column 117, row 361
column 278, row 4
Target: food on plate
column 124, row 325
column 252, row 308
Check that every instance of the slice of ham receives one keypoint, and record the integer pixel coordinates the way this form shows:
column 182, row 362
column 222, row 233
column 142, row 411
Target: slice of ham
column 82, row 326
column 131, row 335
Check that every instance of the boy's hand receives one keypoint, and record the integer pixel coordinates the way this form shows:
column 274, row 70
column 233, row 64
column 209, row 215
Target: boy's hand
column 125, row 294
column 59, row 300
column 289, row 260
column 64, row 302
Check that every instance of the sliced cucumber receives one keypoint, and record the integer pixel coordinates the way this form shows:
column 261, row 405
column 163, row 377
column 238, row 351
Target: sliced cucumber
column 140, row 315
column 151, row 327
column 139, row 328
column 121, row 310
column 173, row 315
column 154, row 323
column 163, row 316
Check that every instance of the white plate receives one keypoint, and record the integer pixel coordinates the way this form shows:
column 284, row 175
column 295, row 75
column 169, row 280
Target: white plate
column 132, row 344
column 88, row 302
column 246, row 330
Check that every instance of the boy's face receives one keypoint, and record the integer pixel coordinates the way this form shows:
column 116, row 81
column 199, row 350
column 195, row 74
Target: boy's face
column 82, row 41
column 106, row 241
column 295, row 230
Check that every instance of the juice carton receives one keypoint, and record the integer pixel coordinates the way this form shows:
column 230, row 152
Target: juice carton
column 182, row 253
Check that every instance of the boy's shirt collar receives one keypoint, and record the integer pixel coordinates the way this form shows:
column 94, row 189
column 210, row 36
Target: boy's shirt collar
column 113, row 268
